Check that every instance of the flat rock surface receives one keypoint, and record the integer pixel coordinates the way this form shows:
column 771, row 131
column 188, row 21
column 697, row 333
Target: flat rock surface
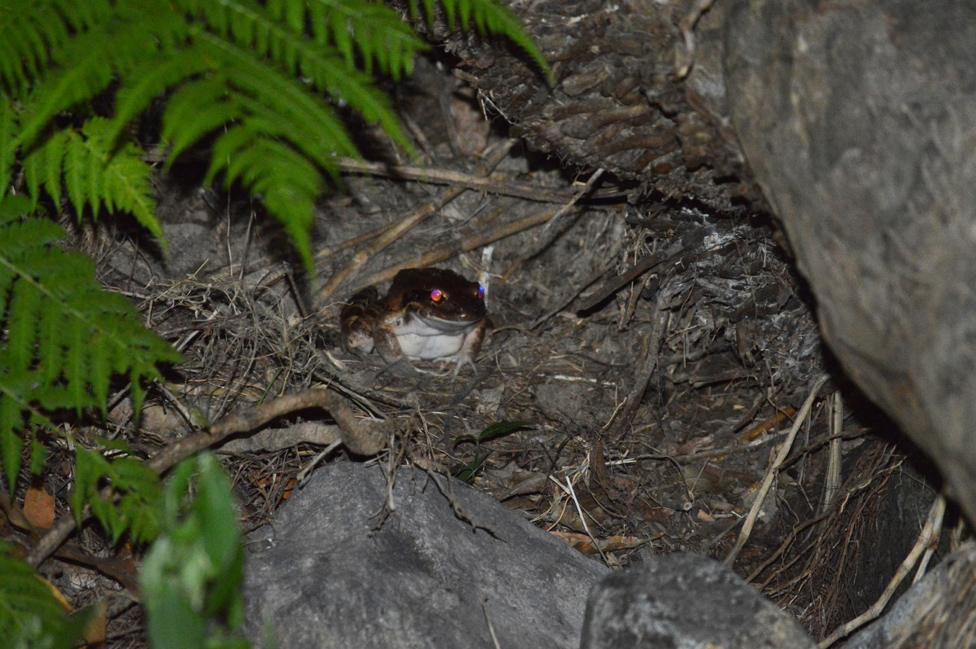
column 687, row 601
column 329, row 572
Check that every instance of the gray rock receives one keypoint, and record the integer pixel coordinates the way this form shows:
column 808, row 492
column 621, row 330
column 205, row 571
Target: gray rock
column 332, row 575
column 685, row 601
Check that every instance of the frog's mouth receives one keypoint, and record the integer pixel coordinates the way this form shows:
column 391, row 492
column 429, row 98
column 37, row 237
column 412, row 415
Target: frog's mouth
column 447, row 326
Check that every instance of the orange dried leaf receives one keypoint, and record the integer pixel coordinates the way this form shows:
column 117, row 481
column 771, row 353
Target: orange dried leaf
column 39, row 508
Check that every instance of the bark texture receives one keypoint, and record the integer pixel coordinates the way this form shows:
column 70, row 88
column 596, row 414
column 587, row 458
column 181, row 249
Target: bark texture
column 857, row 120
column 618, row 103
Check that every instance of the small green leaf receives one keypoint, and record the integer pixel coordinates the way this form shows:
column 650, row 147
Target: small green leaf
column 468, row 472
column 494, row 431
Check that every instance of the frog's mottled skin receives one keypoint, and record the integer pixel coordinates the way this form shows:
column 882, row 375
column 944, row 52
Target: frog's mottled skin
column 409, row 323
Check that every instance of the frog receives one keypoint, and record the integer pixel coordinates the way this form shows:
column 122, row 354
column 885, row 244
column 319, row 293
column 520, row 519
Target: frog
column 427, row 314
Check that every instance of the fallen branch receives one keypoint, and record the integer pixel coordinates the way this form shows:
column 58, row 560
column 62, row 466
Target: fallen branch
column 360, row 436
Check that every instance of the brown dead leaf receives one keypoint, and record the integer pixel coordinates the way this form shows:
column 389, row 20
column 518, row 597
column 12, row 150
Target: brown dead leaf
column 39, row 508
column 584, row 543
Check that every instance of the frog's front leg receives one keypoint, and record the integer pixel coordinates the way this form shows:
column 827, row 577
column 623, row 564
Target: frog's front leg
column 471, row 346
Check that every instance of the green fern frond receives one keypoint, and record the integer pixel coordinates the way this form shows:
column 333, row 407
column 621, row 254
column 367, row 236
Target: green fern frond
column 65, row 336
column 135, row 502
column 279, row 34
column 144, row 83
column 107, row 41
column 370, row 29
column 258, row 63
column 285, row 180
column 489, row 17
column 61, row 90
column 8, row 142
column 95, row 173
column 199, row 107
column 30, row 616
column 29, row 33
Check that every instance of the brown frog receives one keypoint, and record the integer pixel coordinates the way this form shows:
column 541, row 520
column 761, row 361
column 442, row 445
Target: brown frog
column 428, row 313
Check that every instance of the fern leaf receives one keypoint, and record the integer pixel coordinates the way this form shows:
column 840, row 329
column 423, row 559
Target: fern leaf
column 198, row 108
column 450, row 13
column 137, row 507
column 306, row 122
column 8, row 145
column 105, row 40
column 287, row 45
column 286, row 181
column 65, row 336
column 146, row 82
column 43, row 168
column 25, row 308
column 77, row 169
column 10, row 442
column 128, row 187
column 493, row 18
column 490, row 17
column 62, row 90
column 23, row 32
column 94, row 174
column 380, row 37
column 30, row 616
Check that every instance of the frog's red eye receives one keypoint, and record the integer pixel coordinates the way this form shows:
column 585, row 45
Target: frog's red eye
column 480, row 292
column 437, row 296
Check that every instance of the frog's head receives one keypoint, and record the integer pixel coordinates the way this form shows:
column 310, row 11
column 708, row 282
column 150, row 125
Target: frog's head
column 441, row 298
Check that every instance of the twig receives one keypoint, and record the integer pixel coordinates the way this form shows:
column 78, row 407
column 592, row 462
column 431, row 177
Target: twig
column 568, row 488
column 491, row 627
column 642, row 265
column 649, row 365
column 685, row 58
column 832, row 481
column 491, row 184
column 928, row 536
column 445, row 252
column 773, row 471
column 361, row 436
column 416, row 217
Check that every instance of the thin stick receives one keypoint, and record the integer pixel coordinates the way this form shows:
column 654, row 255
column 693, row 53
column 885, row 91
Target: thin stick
column 415, row 218
column 568, row 488
column 648, row 365
column 928, row 536
column 437, row 255
column 772, row 472
column 832, row 481
column 445, row 252
column 492, row 184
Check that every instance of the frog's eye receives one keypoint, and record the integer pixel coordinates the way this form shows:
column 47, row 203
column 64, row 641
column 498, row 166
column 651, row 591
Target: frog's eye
column 480, row 292
column 437, row 296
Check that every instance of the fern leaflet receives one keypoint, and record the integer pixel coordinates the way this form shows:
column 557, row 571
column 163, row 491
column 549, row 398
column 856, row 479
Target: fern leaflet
column 65, row 336
column 30, row 616
column 95, row 173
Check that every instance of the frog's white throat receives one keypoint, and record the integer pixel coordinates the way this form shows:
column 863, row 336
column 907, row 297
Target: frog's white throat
column 427, row 338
